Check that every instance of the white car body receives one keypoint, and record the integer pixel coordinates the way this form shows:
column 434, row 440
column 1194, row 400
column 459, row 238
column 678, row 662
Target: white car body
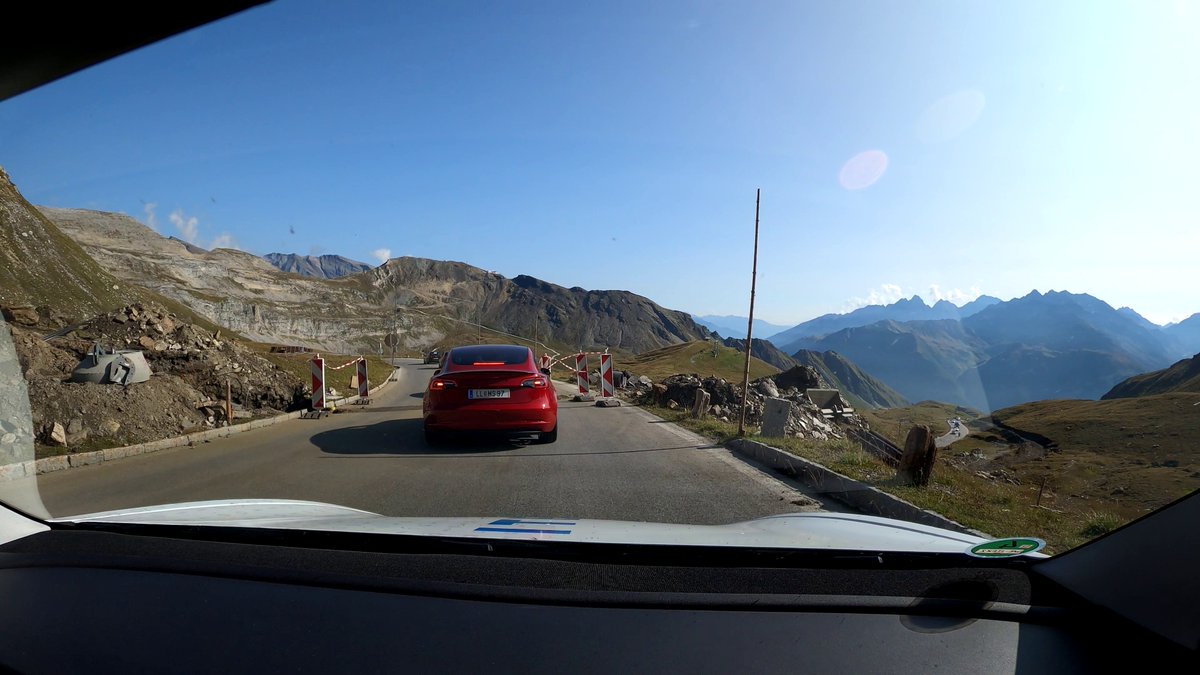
column 832, row 531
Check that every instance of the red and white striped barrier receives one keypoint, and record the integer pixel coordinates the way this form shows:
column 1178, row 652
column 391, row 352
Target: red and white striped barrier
column 581, row 372
column 364, row 388
column 317, row 368
column 546, row 363
column 606, row 376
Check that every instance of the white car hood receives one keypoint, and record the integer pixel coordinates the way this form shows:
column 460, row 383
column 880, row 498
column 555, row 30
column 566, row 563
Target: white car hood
column 791, row 531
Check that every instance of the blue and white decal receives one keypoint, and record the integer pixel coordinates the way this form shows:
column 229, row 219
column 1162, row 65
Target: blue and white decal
column 517, row 526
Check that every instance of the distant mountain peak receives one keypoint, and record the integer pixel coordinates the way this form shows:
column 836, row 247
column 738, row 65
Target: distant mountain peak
column 320, row 267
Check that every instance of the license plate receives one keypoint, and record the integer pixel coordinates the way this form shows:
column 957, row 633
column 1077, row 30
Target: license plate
column 488, row 393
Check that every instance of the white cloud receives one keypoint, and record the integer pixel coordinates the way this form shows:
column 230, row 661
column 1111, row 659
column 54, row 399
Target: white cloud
column 189, row 228
column 151, row 218
column 382, row 255
column 224, row 240
column 956, row 296
column 886, row 294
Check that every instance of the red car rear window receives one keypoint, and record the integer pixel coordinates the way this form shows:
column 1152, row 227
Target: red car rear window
column 490, row 355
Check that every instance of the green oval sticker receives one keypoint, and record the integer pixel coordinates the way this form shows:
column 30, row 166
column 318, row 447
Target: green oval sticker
column 1006, row 548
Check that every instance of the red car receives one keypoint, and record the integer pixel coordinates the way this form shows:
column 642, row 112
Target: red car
column 490, row 388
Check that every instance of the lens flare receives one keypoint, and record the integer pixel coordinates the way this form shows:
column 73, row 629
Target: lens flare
column 862, row 170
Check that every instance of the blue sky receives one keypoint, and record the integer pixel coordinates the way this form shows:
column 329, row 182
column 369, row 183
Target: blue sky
column 944, row 149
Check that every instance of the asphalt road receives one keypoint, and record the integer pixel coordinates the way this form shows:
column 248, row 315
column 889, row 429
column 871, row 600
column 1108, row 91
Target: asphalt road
column 613, row 463
column 949, row 437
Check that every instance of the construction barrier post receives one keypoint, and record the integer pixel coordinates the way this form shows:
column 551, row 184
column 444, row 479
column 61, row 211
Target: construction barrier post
column 317, row 366
column 364, row 386
column 581, row 372
column 606, row 376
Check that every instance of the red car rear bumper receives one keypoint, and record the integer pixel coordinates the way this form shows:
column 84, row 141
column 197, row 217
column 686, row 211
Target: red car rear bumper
column 491, row 418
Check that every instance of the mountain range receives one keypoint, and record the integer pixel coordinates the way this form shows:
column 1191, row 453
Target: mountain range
column 735, row 326
column 421, row 301
column 1040, row 346
column 905, row 309
column 320, row 266
column 863, row 390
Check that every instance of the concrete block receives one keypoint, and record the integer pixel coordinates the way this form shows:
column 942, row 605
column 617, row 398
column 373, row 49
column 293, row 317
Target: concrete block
column 13, row 471
column 86, row 458
column 48, row 464
column 775, row 417
column 110, row 454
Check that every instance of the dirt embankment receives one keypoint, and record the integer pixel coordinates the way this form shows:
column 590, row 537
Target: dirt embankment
column 191, row 367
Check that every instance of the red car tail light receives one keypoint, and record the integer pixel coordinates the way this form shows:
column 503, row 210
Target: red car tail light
column 441, row 385
column 536, row 383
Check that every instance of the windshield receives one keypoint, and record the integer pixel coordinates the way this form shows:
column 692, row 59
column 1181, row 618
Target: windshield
column 534, row 265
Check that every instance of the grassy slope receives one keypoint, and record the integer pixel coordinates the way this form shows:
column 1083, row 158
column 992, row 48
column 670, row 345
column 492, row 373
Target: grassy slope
column 894, row 423
column 296, row 365
column 996, row 507
column 1183, row 376
column 702, row 358
column 1134, row 454
column 40, row 265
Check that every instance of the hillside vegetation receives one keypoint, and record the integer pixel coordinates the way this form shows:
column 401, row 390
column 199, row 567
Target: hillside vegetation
column 1123, row 456
column 1183, row 376
column 39, row 265
column 702, row 358
column 894, row 423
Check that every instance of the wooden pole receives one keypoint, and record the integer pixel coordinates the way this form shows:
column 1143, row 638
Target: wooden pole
column 750, row 321
column 228, row 404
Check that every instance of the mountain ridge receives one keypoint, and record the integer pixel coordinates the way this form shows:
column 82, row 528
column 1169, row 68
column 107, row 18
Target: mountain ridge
column 322, row 266
column 904, row 309
column 420, row 300
column 1182, row 376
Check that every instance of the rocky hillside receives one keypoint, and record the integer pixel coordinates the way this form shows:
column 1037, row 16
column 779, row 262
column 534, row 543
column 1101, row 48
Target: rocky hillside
column 191, row 365
column 1184, row 376
column 41, row 266
column 320, row 266
column 420, row 300
column 862, row 389
column 762, row 349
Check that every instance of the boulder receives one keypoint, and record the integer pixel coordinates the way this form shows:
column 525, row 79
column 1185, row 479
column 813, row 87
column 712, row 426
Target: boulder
column 920, row 453
column 146, row 342
column 57, row 435
column 700, row 404
column 21, row 315
column 110, row 427
column 799, row 377
column 75, row 426
column 766, row 386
